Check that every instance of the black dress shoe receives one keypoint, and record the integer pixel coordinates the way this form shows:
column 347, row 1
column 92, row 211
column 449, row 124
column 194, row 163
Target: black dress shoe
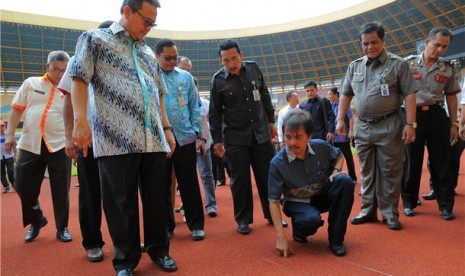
column 392, row 223
column 429, row 196
column 359, row 219
column 339, row 249
column 125, row 272
column 33, row 232
column 165, row 262
column 243, row 229
column 95, row 254
column 409, row 212
column 447, row 215
column 64, row 235
column 299, row 239
column 198, row 235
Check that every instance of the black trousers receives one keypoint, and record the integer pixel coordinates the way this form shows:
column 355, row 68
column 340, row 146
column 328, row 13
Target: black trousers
column 433, row 131
column 347, row 152
column 455, row 154
column 184, row 161
column 8, row 168
column 90, row 201
column 29, row 174
column 120, row 177
column 240, row 158
column 337, row 198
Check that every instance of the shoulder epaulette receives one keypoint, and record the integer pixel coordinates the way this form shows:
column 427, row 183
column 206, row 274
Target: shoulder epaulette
column 452, row 63
column 411, row 57
column 249, row 61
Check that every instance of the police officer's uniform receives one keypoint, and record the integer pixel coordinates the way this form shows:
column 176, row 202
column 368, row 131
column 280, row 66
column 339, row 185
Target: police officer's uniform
column 433, row 130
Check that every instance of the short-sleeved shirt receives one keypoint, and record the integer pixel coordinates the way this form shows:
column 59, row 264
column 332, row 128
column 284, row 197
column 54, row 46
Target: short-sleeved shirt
column 43, row 115
column 182, row 105
column 349, row 114
column 299, row 180
column 105, row 61
column 364, row 80
column 204, row 121
column 439, row 80
column 65, row 86
column 237, row 113
column 279, row 122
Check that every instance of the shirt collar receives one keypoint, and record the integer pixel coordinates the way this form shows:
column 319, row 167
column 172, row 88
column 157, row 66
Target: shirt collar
column 116, row 28
column 382, row 58
column 291, row 156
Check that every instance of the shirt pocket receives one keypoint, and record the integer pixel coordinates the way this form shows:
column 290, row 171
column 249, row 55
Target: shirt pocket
column 357, row 82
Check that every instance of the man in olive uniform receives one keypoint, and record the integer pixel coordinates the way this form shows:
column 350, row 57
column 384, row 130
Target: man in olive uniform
column 438, row 80
column 379, row 81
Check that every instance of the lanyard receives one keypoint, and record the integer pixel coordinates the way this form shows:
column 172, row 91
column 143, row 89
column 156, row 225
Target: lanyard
column 143, row 85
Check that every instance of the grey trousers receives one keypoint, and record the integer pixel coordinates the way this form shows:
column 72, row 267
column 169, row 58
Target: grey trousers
column 380, row 149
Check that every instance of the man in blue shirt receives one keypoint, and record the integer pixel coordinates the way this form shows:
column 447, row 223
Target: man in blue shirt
column 306, row 177
column 7, row 163
column 183, row 111
column 343, row 142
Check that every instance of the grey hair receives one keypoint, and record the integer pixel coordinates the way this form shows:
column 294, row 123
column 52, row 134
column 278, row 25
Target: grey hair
column 57, row 56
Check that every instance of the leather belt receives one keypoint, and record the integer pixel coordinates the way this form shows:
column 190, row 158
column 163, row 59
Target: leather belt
column 377, row 119
column 429, row 107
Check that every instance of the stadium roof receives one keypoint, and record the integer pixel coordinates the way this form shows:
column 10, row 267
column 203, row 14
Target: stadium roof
column 289, row 54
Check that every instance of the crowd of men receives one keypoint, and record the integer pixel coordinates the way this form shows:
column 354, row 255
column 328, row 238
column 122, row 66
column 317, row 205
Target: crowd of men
column 131, row 116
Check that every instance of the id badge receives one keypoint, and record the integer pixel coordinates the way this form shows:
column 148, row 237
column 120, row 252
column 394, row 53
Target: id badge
column 181, row 102
column 256, row 95
column 384, row 90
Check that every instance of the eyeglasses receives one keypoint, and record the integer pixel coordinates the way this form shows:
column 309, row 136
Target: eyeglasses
column 147, row 22
column 170, row 58
column 58, row 70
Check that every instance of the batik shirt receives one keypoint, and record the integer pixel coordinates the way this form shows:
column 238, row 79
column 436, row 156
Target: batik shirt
column 104, row 60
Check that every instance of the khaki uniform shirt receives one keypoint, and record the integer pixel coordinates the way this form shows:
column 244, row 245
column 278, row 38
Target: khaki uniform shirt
column 365, row 79
column 439, row 80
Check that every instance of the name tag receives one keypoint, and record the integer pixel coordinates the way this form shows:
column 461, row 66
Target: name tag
column 40, row 92
column 181, row 102
column 384, row 90
column 256, row 95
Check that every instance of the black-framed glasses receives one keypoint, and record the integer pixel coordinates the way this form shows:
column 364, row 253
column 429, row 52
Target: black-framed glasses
column 147, row 22
column 170, row 58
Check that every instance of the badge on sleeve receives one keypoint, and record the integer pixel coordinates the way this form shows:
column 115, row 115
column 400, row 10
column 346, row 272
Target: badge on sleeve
column 384, row 90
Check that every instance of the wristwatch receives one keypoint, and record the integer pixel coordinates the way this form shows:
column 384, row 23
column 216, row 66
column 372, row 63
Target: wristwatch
column 412, row 124
column 337, row 169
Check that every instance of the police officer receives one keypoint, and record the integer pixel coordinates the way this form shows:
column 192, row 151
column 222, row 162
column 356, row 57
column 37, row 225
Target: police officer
column 242, row 126
column 436, row 77
column 379, row 81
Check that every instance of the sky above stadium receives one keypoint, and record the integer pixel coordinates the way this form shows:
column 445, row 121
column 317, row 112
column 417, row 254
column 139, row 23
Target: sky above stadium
column 190, row 15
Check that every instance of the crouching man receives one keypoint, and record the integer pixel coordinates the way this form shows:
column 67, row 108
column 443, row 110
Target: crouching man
column 306, row 177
